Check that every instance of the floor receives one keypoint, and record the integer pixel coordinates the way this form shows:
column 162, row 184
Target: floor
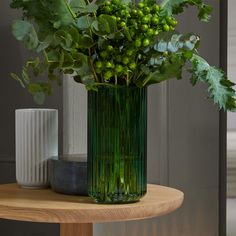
column 231, row 217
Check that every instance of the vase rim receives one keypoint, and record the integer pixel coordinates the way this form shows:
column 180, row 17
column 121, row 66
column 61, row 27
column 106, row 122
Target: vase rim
column 35, row 109
column 119, row 87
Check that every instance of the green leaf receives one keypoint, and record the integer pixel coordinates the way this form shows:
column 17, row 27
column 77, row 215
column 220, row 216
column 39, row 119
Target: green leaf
column 21, row 29
column 39, row 98
column 77, row 4
column 25, row 76
column 42, row 46
column 127, row 34
column 31, row 42
column 205, row 13
column 62, row 11
column 219, row 87
column 88, row 79
column 85, row 41
column 84, row 22
column 68, row 61
column 64, row 39
column 170, row 7
column 17, row 78
column 174, row 42
column 34, row 88
column 95, row 25
column 24, row 31
column 189, row 45
column 173, row 47
column 167, row 71
column 107, row 24
column 161, row 46
column 91, row 8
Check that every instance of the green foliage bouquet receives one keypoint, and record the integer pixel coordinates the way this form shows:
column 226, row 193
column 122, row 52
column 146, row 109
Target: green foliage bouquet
column 113, row 43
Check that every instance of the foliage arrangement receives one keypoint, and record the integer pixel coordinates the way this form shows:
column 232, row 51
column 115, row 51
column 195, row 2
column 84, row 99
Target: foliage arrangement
column 113, row 43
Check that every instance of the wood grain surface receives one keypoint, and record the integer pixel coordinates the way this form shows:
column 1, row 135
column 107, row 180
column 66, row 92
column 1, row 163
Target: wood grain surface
column 46, row 206
column 76, row 229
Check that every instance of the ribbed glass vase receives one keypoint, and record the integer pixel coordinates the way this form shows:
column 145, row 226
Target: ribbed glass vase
column 117, row 142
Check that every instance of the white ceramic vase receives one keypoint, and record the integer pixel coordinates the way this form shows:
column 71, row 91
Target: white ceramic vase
column 36, row 142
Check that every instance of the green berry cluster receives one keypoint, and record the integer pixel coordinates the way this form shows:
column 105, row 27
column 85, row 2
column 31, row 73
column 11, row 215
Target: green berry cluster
column 137, row 26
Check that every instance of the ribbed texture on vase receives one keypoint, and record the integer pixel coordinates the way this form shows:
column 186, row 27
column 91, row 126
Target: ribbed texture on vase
column 117, row 124
column 36, row 142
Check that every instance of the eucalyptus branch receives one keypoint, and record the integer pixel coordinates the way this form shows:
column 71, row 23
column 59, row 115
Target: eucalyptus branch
column 70, row 10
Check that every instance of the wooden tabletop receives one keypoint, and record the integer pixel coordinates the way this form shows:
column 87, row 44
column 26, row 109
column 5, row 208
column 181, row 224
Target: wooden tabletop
column 46, row 206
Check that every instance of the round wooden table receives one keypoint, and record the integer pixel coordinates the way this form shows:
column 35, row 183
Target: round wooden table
column 76, row 214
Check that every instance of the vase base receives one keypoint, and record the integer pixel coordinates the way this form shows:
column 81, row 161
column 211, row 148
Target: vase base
column 117, row 198
column 34, row 187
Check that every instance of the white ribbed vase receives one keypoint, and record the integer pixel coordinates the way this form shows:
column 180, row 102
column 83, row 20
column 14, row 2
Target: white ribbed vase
column 36, row 142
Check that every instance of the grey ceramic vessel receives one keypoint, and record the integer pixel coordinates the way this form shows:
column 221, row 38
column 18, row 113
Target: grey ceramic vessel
column 68, row 175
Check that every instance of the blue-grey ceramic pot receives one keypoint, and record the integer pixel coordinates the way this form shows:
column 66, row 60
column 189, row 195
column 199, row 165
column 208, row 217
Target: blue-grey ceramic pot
column 68, row 175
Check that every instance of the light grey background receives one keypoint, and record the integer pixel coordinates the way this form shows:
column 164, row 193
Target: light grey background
column 231, row 117
column 183, row 140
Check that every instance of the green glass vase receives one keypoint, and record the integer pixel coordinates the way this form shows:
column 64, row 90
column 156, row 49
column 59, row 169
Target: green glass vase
column 117, row 143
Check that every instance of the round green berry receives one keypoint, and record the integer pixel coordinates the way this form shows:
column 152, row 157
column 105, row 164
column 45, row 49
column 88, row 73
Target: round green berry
column 109, row 65
column 134, row 12
column 118, row 68
column 132, row 65
column 109, row 48
column 138, row 43
column 132, row 33
column 98, row 64
column 141, row 5
column 146, row 42
column 107, row 9
column 107, row 3
column 130, row 52
column 125, row 60
column 139, row 13
column 123, row 13
column 108, row 75
column 150, row 32
column 166, row 27
column 174, row 23
column 122, row 24
column 144, row 27
column 146, row 10
column 145, row 19
column 104, row 54
column 115, row 2
column 165, row 53
column 168, row 19
column 155, row 8
column 155, row 20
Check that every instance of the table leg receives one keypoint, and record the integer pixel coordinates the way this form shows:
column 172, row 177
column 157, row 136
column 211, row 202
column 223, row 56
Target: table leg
column 76, row 229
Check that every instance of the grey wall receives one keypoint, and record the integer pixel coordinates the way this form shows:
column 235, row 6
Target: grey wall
column 12, row 96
